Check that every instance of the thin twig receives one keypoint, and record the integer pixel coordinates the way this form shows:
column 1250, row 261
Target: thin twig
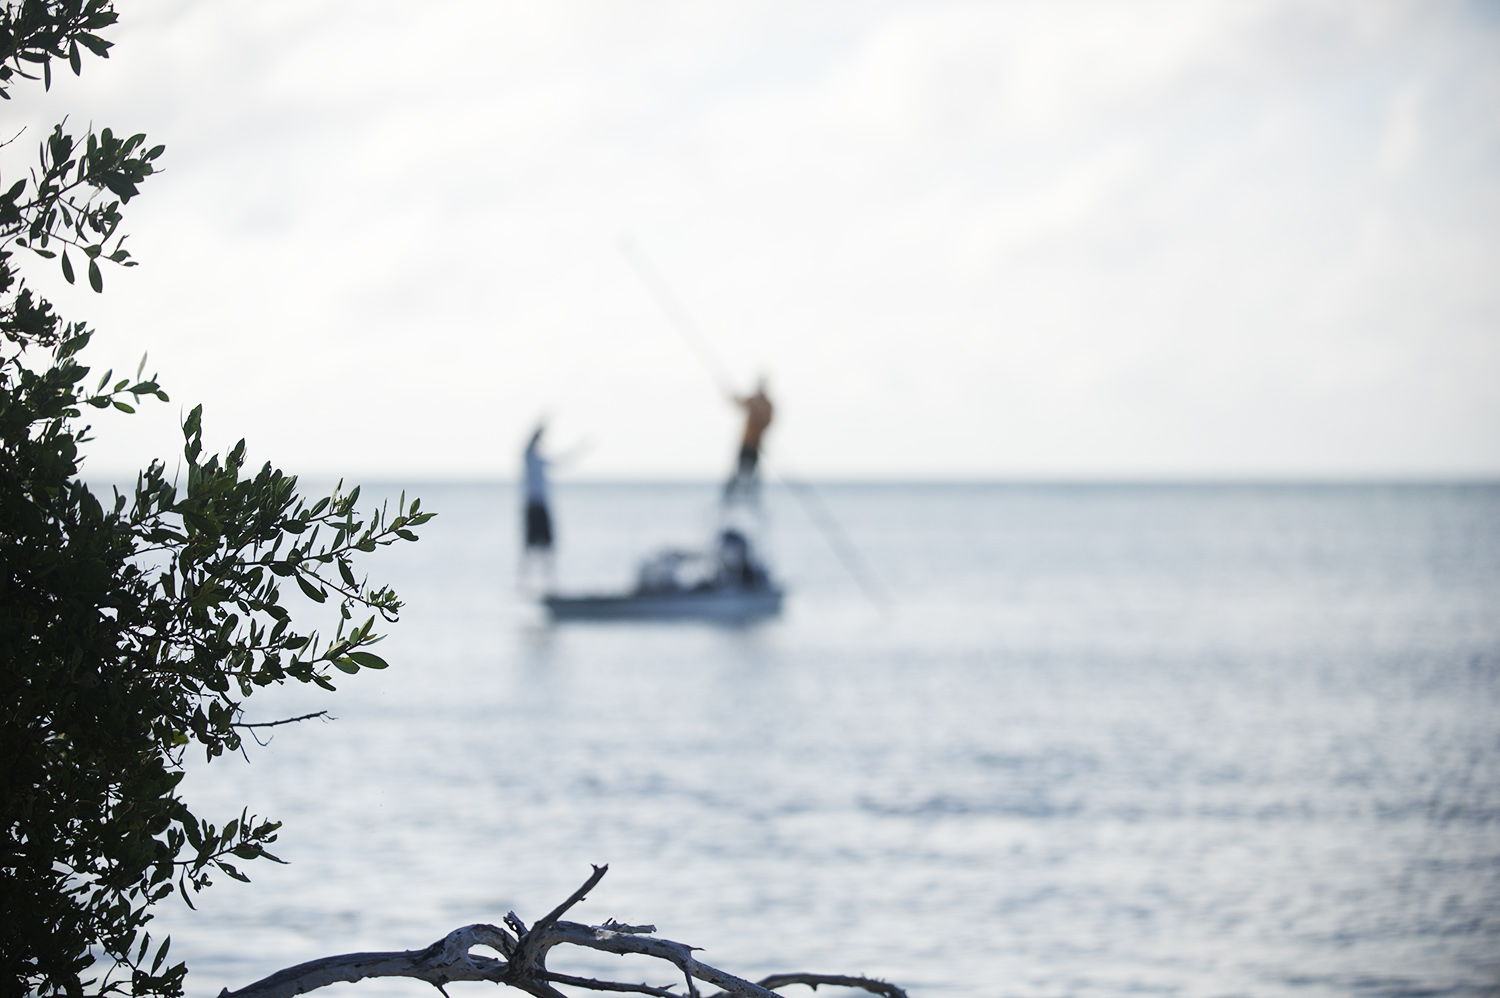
column 593, row 985
column 577, row 896
column 531, row 946
column 288, row 720
column 813, row 980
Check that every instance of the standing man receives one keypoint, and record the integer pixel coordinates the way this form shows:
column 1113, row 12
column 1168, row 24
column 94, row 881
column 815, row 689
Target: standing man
column 743, row 483
column 538, row 521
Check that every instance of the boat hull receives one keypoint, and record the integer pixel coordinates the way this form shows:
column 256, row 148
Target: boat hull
column 733, row 606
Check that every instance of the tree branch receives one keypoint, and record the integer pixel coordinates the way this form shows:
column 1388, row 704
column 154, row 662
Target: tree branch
column 446, row 960
column 525, row 953
column 532, row 948
column 285, row 720
column 593, row 985
column 838, row 980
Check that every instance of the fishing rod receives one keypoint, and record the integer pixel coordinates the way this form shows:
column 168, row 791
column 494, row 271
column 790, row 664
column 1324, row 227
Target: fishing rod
column 807, row 497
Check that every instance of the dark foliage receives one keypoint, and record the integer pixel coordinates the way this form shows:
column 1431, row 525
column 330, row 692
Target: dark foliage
column 132, row 628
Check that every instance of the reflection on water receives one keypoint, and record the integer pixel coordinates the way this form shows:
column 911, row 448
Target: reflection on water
column 1195, row 741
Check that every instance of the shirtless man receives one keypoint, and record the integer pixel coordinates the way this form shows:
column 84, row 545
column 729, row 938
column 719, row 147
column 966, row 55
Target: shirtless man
column 757, row 417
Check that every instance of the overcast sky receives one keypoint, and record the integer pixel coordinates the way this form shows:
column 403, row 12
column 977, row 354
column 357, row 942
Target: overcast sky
column 1013, row 240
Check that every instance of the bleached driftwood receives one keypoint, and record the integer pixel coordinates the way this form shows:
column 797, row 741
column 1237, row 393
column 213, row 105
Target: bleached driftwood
column 524, row 965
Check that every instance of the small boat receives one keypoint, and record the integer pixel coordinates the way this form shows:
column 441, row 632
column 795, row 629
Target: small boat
column 729, row 584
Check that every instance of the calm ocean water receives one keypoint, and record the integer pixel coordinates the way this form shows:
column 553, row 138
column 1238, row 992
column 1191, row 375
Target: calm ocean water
column 1111, row 740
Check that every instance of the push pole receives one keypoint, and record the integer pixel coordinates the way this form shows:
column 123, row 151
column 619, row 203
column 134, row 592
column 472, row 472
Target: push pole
column 678, row 315
column 807, row 497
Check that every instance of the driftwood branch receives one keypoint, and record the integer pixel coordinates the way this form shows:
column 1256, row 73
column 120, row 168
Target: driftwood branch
column 838, row 980
column 524, row 952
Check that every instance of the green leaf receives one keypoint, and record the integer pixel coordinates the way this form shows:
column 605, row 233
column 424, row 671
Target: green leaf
column 200, row 522
column 96, row 279
column 95, row 44
column 313, row 593
column 67, row 267
column 344, row 665
column 368, row 660
column 123, row 406
column 161, row 954
column 236, row 874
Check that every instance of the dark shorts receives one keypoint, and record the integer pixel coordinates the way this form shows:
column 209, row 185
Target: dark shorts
column 538, row 525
